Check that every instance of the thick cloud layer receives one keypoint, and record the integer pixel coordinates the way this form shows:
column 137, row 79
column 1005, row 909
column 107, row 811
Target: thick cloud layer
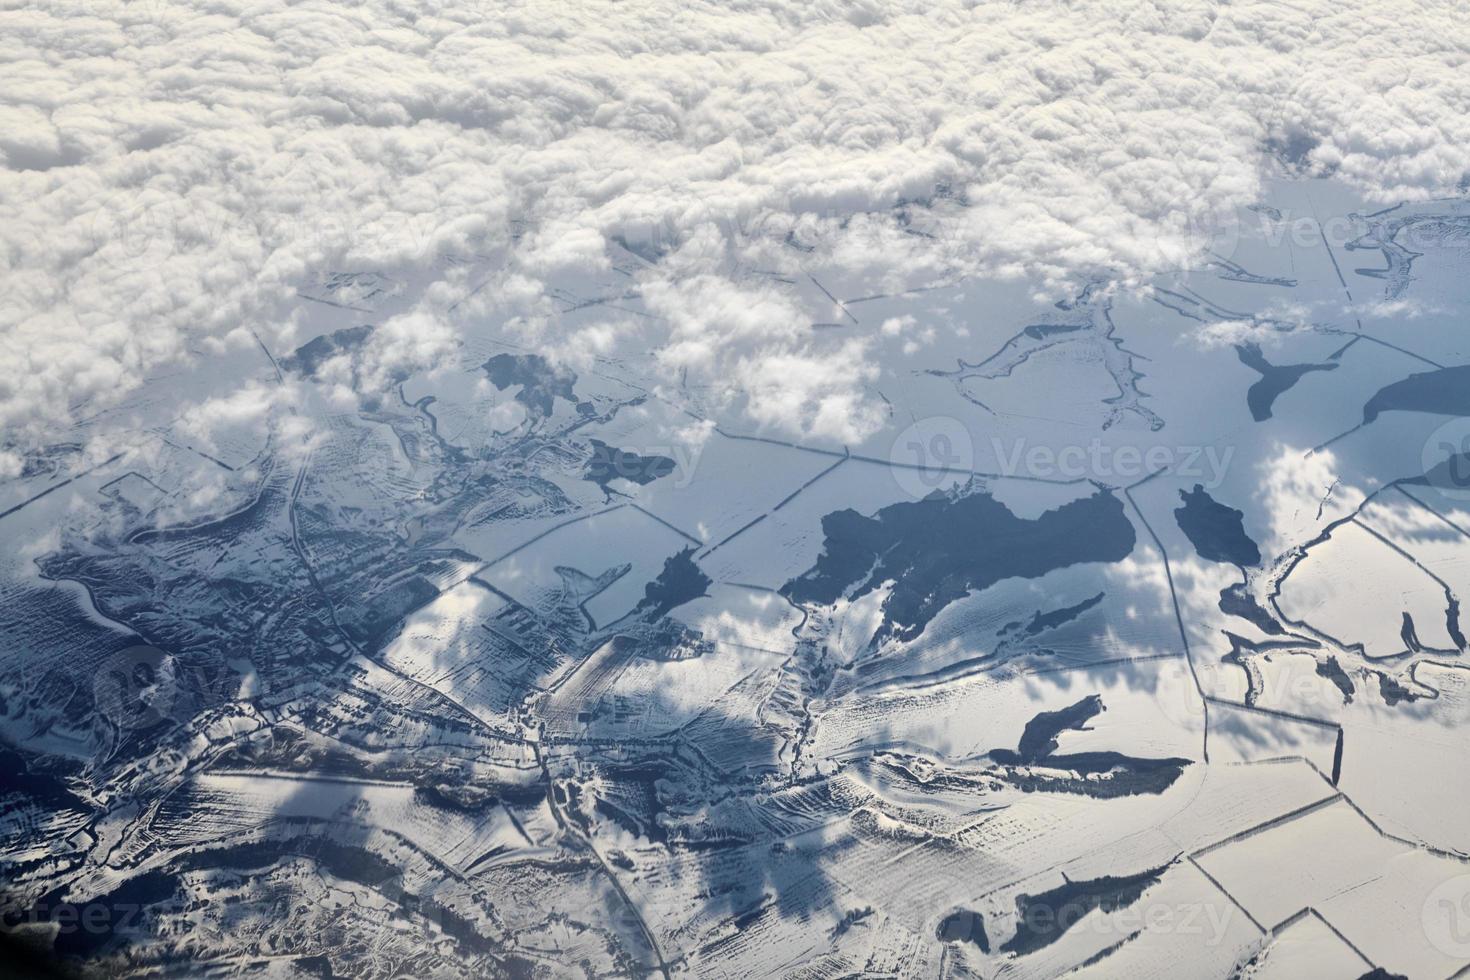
column 176, row 171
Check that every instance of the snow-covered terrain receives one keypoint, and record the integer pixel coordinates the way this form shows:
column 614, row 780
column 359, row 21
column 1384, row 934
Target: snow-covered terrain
column 1078, row 662
column 926, row 583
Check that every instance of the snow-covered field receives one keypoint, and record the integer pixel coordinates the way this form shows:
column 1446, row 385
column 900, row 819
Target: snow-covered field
column 907, row 581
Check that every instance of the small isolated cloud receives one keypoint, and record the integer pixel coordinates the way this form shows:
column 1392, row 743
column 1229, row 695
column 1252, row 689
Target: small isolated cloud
column 1404, row 308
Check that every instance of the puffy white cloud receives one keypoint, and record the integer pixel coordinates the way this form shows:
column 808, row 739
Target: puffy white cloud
column 821, row 391
column 401, row 346
column 178, row 170
column 1301, row 494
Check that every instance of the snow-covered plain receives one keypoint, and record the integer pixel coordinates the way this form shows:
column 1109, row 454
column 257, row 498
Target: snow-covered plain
column 1128, row 639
